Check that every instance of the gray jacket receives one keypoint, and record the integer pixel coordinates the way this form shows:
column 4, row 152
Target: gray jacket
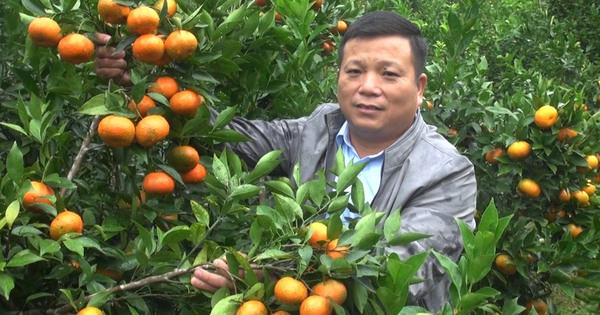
column 422, row 174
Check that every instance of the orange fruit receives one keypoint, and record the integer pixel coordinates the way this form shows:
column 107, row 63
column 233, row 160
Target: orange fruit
column 166, row 86
column 186, row 102
column 519, row 150
column 334, row 251
column 505, row 264
column 328, row 46
column 44, row 32
column 590, row 188
column 90, row 310
column 143, row 106
column 452, row 132
column 148, row 48
column 331, row 288
column 592, row 162
column 317, row 5
column 316, row 305
column 252, row 307
column 76, row 48
column 195, row 175
column 183, row 158
column 574, row 229
column 165, row 59
column 565, row 134
column 280, row 312
column 151, row 129
column 538, row 304
column 318, row 238
column 180, row 44
column 65, row 222
column 290, row 291
column 564, row 196
column 429, row 105
column 171, row 7
column 113, row 12
column 39, row 192
column 158, row 183
column 116, row 131
column 143, row 20
column 545, row 117
column 491, row 156
column 529, row 188
column 340, row 28
column 260, row 3
column 583, row 199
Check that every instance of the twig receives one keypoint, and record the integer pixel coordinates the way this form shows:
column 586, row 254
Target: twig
column 82, row 150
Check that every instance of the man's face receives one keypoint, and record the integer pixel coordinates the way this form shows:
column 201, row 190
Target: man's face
column 377, row 89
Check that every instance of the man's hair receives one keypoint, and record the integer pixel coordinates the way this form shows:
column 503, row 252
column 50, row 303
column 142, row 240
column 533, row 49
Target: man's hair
column 385, row 23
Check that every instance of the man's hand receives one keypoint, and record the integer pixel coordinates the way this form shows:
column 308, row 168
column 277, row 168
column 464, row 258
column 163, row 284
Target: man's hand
column 212, row 281
column 110, row 65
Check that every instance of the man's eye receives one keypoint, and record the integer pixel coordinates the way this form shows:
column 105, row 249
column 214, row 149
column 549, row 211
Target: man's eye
column 352, row 71
column 390, row 74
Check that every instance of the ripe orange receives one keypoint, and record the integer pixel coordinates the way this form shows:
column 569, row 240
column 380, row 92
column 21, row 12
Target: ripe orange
column 143, row 20
column 316, row 305
column 565, row 134
column 165, row 86
column 252, row 307
column 505, row 264
column 340, row 28
column 574, row 229
column 429, row 105
column 76, row 48
column 186, row 102
column 116, row 131
column 143, row 106
column 183, row 158
column 545, row 117
column 171, row 7
column 158, row 183
column 529, row 188
column 280, row 312
column 331, row 288
column 65, row 222
column 328, row 46
column 538, row 304
column 564, row 196
column 491, row 156
column 452, row 132
column 151, row 129
column 317, row 5
column 583, row 199
column 335, row 251
column 519, row 150
column 90, row 310
column 113, row 12
column 592, row 162
column 318, row 238
column 180, row 44
column 290, row 291
column 590, row 188
column 148, row 48
column 195, row 175
column 39, row 192
column 260, row 3
column 44, row 32
column 165, row 59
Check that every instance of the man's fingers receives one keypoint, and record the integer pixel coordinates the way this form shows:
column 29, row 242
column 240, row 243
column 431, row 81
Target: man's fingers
column 206, row 280
column 102, row 39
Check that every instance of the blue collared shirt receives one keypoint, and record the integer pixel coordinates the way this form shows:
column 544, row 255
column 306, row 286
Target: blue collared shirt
column 370, row 176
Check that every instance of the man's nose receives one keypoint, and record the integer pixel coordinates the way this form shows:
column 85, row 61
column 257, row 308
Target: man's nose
column 370, row 84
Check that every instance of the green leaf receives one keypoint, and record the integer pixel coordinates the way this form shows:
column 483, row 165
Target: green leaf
column 201, row 214
column 273, row 254
column 452, row 270
column 406, row 238
column 95, row 106
column 264, row 166
column 348, row 176
column 176, row 235
column 227, row 305
column 338, row 203
column 48, row 247
column 288, row 206
column 12, row 212
column 7, row 283
column 279, row 187
column 224, row 118
column 14, row 163
column 244, row 191
column 99, row 299
column 74, row 246
column 392, row 224
column 23, row 258
column 220, row 171
column 15, row 128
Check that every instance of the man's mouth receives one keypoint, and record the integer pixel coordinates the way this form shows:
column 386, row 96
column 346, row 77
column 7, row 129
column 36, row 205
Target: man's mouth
column 368, row 107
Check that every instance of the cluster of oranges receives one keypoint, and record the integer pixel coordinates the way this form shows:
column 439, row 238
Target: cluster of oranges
column 73, row 48
column 143, row 21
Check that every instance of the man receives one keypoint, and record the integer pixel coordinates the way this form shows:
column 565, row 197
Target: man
column 381, row 82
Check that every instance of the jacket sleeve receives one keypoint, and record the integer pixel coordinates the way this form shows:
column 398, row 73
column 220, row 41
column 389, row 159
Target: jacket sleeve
column 265, row 136
column 432, row 210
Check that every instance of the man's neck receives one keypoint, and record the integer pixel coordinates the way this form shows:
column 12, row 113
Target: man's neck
column 365, row 146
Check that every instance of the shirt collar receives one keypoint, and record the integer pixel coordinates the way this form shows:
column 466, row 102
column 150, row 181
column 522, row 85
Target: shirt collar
column 343, row 141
